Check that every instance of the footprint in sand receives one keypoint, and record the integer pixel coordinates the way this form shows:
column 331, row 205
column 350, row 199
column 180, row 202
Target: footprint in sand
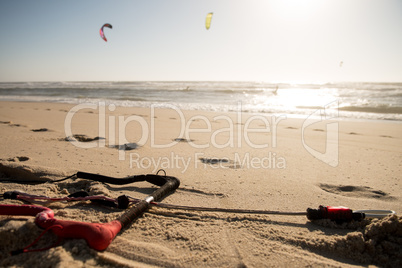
column 214, row 160
column 40, row 130
column 82, row 138
column 223, row 162
column 126, row 146
column 11, row 124
column 183, row 140
column 85, row 138
column 355, row 191
column 17, row 159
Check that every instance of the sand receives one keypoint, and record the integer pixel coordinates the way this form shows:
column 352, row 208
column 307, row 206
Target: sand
column 227, row 160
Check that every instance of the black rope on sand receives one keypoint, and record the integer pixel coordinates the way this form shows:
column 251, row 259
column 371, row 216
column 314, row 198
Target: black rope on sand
column 38, row 181
column 66, row 178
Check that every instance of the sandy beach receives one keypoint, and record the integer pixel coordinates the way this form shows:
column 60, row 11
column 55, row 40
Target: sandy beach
column 226, row 160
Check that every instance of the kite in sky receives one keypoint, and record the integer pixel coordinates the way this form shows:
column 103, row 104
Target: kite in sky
column 101, row 30
column 208, row 20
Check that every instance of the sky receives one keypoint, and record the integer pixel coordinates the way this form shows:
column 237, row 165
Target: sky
column 166, row 40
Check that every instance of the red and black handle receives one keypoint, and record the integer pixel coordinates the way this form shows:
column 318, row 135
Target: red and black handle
column 339, row 214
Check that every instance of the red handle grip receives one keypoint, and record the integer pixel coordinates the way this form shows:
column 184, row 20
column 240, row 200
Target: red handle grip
column 339, row 214
column 98, row 235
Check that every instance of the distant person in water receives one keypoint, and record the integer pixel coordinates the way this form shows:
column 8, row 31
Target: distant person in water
column 275, row 92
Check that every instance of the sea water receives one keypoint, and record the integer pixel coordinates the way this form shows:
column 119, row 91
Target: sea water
column 378, row 101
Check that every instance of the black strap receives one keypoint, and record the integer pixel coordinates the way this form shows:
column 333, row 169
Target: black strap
column 151, row 178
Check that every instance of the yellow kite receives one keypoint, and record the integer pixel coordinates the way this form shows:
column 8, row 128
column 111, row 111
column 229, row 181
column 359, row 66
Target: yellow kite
column 208, row 20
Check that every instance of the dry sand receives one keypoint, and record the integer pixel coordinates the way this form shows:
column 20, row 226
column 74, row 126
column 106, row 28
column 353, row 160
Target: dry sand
column 219, row 165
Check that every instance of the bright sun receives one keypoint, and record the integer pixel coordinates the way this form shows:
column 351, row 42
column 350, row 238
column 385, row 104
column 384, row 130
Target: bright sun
column 296, row 8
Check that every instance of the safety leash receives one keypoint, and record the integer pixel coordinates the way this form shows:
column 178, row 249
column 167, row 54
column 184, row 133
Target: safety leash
column 339, row 214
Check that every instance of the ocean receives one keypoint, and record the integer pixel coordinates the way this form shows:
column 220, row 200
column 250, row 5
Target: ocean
column 368, row 101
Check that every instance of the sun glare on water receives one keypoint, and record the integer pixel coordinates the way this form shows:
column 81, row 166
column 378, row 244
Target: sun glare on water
column 295, row 98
